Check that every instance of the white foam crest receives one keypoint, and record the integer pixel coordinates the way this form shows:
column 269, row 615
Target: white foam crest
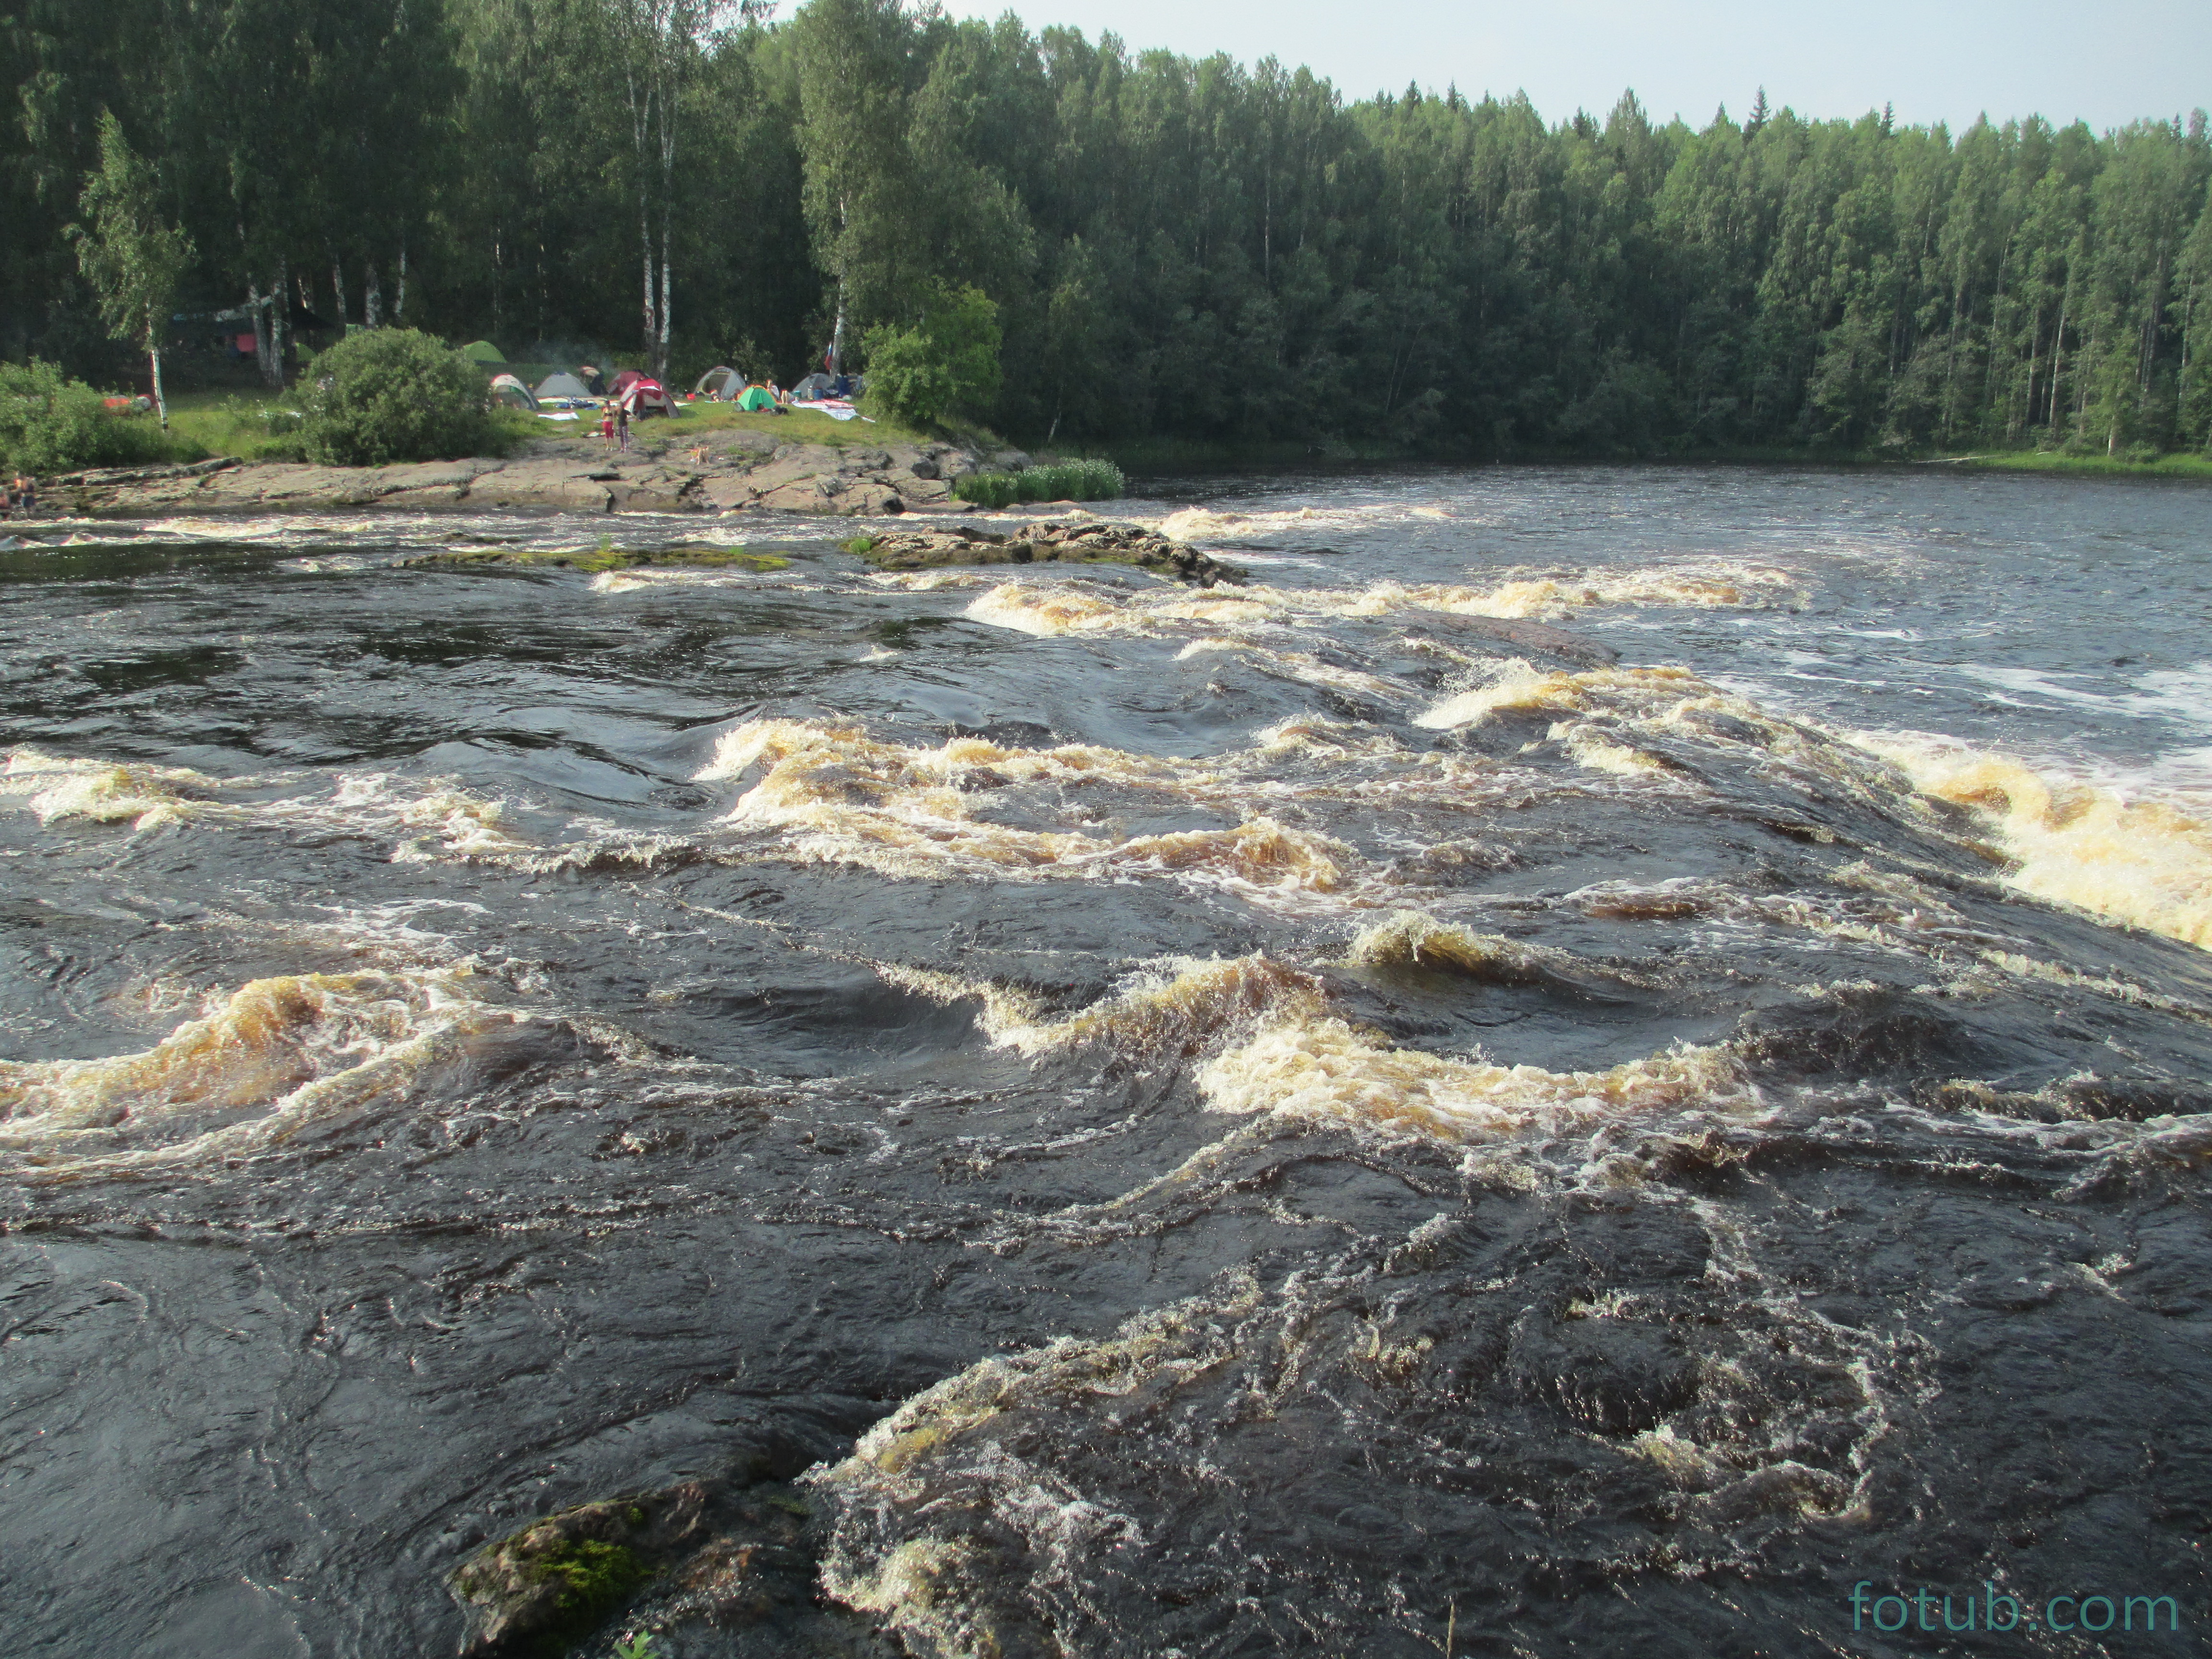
column 261, row 1064
column 1049, row 609
column 927, row 581
column 1301, row 666
column 108, row 792
column 1515, row 686
column 837, row 796
column 1182, row 1003
column 1323, row 1069
column 2144, row 862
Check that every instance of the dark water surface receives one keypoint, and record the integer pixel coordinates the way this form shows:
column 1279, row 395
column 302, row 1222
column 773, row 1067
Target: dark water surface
column 1318, row 1120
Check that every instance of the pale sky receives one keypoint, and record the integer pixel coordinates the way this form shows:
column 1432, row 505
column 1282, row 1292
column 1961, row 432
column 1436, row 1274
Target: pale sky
column 1944, row 60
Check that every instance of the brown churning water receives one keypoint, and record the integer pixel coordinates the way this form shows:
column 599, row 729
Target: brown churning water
column 1591, row 1058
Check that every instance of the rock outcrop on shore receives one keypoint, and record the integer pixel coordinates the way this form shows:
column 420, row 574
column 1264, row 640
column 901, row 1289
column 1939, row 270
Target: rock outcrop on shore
column 1097, row 541
column 715, row 470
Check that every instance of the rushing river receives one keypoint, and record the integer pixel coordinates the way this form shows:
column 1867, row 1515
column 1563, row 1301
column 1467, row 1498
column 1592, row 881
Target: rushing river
column 1282, row 1119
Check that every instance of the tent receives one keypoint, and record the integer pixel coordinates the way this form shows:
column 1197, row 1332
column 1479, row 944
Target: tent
column 623, row 381
column 720, row 382
column 643, row 396
column 511, row 391
column 755, row 398
column 483, row 351
column 563, row 387
column 816, row 384
column 589, row 375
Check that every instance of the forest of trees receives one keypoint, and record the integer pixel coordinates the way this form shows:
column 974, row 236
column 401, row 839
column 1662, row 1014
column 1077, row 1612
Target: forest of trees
column 1176, row 248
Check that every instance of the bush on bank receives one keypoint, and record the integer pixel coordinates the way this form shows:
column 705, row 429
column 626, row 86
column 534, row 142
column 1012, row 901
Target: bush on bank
column 49, row 424
column 1055, row 481
column 393, row 394
column 947, row 364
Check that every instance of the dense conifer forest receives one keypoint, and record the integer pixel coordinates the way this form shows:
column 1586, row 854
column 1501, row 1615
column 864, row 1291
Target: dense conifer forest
column 1172, row 248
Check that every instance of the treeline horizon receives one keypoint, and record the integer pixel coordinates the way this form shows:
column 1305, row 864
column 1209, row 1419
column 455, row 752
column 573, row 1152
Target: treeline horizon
column 1176, row 249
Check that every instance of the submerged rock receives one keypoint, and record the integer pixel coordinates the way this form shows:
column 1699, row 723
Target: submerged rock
column 546, row 1588
column 741, row 1559
column 1095, row 542
column 1539, row 639
column 594, row 559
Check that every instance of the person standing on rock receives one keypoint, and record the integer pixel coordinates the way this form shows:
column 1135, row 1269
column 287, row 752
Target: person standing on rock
column 607, row 426
column 622, row 425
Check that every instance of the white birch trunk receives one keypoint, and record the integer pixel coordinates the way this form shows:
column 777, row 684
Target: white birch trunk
column 669, row 71
column 338, row 290
column 399, row 300
column 261, row 358
column 280, row 322
column 371, row 299
column 640, row 119
column 660, row 355
column 154, row 355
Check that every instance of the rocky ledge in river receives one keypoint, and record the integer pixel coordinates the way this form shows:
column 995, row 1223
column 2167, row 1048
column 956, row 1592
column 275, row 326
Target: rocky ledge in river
column 1095, row 542
column 717, row 471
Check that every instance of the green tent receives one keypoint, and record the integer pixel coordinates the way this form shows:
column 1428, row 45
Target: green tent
column 754, row 399
column 483, row 351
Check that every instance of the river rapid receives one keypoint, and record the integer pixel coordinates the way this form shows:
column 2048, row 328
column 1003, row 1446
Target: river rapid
column 1280, row 1119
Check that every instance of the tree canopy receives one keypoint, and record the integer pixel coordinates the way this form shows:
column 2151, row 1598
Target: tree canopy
column 1178, row 247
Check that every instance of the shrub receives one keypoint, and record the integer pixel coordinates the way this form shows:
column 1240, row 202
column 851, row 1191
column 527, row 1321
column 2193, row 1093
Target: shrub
column 948, row 362
column 393, row 394
column 49, row 424
column 1055, row 481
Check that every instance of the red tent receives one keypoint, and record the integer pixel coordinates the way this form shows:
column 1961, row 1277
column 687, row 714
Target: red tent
column 642, row 396
column 623, row 381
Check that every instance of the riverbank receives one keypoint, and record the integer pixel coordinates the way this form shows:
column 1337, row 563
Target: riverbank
column 2095, row 466
column 1164, row 457
column 718, row 468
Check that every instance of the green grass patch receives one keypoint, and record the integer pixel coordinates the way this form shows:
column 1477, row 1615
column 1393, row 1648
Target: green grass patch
column 859, row 546
column 1087, row 480
column 809, row 426
column 2104, row 467
column 250, row 426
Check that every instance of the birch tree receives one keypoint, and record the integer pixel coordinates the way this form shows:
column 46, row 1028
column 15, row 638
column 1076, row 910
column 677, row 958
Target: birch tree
column 131, row 255
column 663, row 42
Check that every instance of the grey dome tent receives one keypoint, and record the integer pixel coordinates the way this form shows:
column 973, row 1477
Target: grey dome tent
column 510, row 391
column 720, row 381
column 567, row 387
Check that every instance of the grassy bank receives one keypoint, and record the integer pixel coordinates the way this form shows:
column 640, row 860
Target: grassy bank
column 2102, row 466
column 1158, row 456
column 262, row 426
column 1161, row 457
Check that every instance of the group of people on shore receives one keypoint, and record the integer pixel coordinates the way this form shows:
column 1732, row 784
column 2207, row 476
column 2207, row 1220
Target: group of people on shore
column 22, row 497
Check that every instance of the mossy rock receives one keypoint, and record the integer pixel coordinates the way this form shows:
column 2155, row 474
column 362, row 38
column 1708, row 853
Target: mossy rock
column 744, row 1555
column 537, row 1593
column 1090, row 543
column 593, row 561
